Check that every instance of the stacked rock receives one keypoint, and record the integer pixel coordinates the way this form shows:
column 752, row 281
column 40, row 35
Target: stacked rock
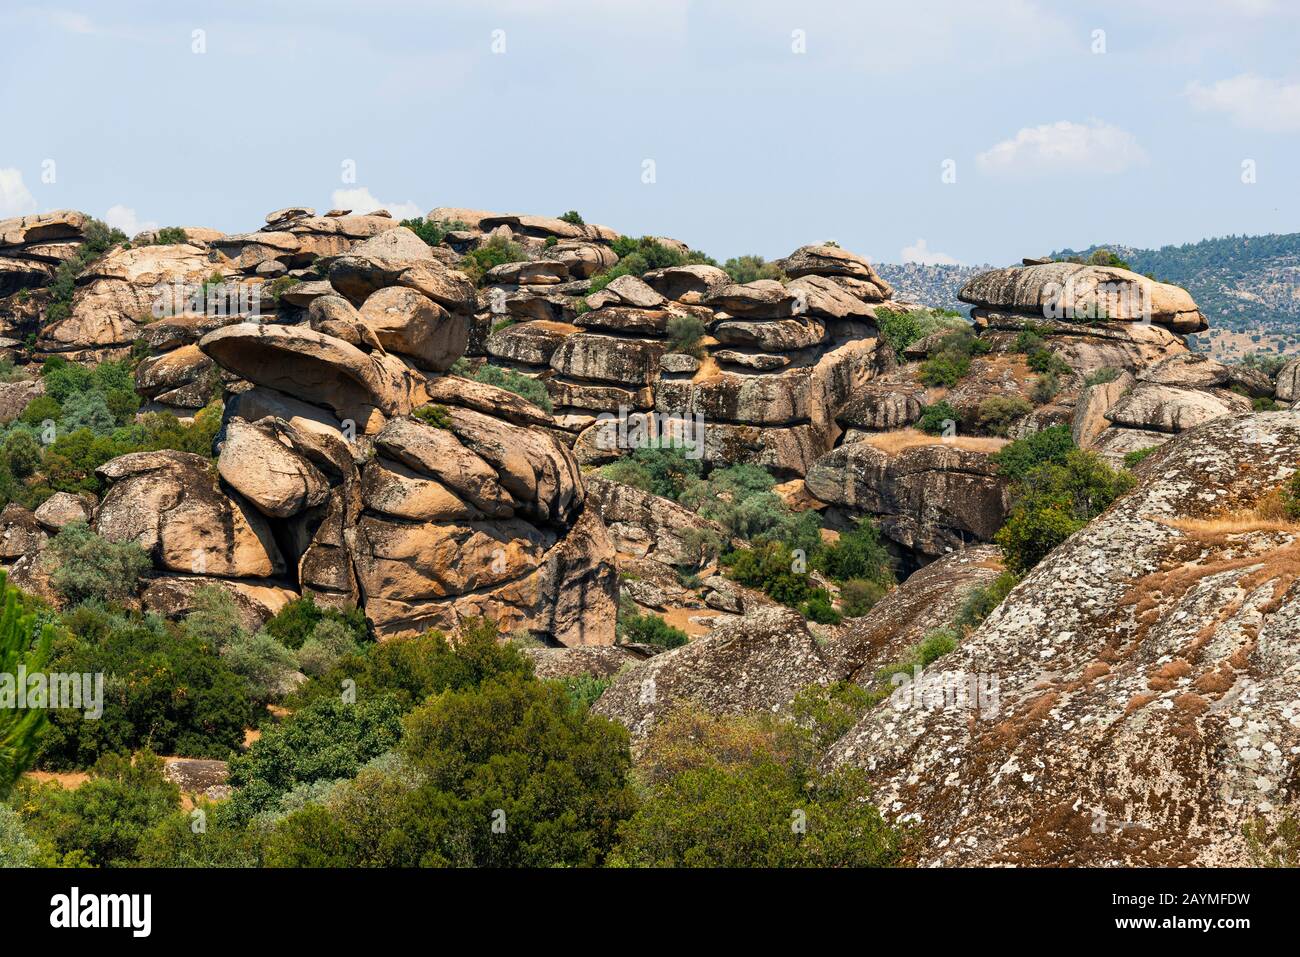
column 354, row 468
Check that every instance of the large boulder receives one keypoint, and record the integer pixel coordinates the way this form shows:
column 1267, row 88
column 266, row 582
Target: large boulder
column 644, row 525
column 930, row 498
column 267, row 463
column 755, row 663
column 295, row 360
column 1135, row 695
column 409, row 322
column 1164, row 408
column 398, row 257
column 1074, row 292
column 169, row 504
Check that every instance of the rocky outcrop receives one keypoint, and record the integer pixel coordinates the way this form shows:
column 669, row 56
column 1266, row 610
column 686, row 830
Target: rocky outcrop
column 643, row 525
column 757, row 663
column 929, row 498
column 1137, row 703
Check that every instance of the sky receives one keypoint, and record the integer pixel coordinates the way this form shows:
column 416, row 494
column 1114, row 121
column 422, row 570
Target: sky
column 924, row 130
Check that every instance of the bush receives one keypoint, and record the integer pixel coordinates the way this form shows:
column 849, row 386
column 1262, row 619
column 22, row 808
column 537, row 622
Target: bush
column 16, row 848
column 293, row 624
column 685, row 334
column 1102, row 376
column 534, row 390
column 574, row 217
column 743, row 269
column 1131, row 459
column 433, row 232
column 723, row 792
column 87, row 567
column 1045, row 388
column 330, row 642
column 771, row 569
column 1052, row 502
column 585, row 690
column 513, row 752
column 326, row 740
column 1051, row 445
column 951, row 359
column 998, row 413
column 103, row 822
column 663, row 470
column 818, row 608
column 1290, row 495
column 265, row 665
column 495, row 252
column 635, row 628
column 638, row 256
column 859, row 553
column 859, row 595
column 901, row 329
column 164, row 690
column 433, row 414
column 171, row 236
column 934, row 417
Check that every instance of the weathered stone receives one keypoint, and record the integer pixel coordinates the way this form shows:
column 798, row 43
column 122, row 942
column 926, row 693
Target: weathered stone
column 64, row 508
column 1162, row 408
column 411, row 323
column 266, row 463
column 642, row 525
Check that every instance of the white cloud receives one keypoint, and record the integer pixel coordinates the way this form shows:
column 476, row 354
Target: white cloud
column 1252, row 101
column 1092, row 147
column 920, row 252
column 15, row 198
column 125, row 219
column 361, row 200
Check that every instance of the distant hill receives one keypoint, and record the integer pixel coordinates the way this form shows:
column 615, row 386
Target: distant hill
column 1242, row 283
column 929, row 285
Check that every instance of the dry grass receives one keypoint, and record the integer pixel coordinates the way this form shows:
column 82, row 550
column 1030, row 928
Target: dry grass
column 895, row 442
column 708, row 369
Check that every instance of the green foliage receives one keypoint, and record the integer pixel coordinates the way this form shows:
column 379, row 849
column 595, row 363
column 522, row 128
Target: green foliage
column 1051, row 445
column 88, row 567
column 495, row 252
column 97, row 239
column 998, row 413
column 829, row 711
column 433, row 414
column 433, row 231
column 901, row 329
column 728, row 792
column 331, row 641
column 635, row 628
column 774, row 569
column 171, row 236
column 279, row 286
column 1276, row 845
column 513, row 751
column 638, row 256
column 103, row 822
column 934, row 416
column 263, row 663
column 574, row 217
column 860, row 554
column 685, row 333
column 164, row 689
column 21, row 646
column 1045, row 388
column 16, row 848
column 661, row 469
column 296, row 622
column 1052, row 501
column 585, row 690
column 743, row 269
column 741, row 500
column 411, row 669
column 859, row 595
column 981, row 601
column 1131, row 459
column 534, row 390
column 950, row 361
column 1290, row 496
column 1102, row 376
column 326, row 740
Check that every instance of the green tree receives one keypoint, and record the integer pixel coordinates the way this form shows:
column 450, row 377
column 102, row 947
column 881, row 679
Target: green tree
column 22, row 645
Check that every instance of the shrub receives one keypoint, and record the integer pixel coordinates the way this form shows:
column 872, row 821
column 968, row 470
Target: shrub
column 743, row 269
column 171, row 236
column 330, row 642
column 434, row 231
column 685, row 334
column 1052, row 502
column 326, row 740
column 945, row 368
column 859, row 595
column 40, row 409
column 87, row 567
column 934, row 417
column 1290, row 496
column 1051, row 445
column 534, row 390
column 727, row 801
column 585, row 690
column 495, row 252
column 164, row 689
column 829, row 711
column 661, row 469
column 513, row 751
column 858, row 553
column 574, row 217
column 265, row 665
column 102, row 822
column 1102, row 376
column 638, row 256
column 1045, row 388
column 901, row 329
column 997, row 413
column 771, row 569
column 433, row 414
column 1131, row 459
column 635, row 628
column 818, row 608
column 16, row 848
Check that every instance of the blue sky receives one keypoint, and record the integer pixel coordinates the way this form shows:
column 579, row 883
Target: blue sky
column 756, row 147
